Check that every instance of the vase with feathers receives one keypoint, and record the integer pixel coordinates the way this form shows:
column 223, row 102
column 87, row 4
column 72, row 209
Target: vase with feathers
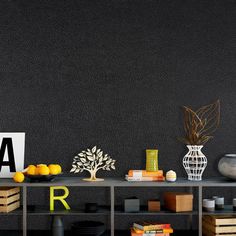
column 199, row 126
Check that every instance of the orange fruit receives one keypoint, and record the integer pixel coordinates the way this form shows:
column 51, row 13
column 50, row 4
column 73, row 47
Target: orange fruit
column 31, row 165
column 59, row 168
column 41, row 165
column 18, row 177
column 31, row 170
column 36, row 171
column 43, row 170
column 54, row 170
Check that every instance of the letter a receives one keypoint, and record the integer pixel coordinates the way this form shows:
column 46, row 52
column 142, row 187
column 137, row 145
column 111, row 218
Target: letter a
column 7, row 143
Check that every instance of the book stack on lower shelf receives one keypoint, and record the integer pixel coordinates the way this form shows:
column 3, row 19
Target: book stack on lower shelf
column 143, row 175
column 151, row 229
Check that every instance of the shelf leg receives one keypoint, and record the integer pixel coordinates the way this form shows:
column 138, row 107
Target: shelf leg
column 190, row 217
column 112, row 210
column 24, row 211
column 200, row 210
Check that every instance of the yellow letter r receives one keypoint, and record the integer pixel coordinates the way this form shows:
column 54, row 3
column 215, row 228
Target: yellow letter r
column 59, row 198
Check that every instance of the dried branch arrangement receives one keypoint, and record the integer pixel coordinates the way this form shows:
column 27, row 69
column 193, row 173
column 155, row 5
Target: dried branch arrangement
column 201, row 124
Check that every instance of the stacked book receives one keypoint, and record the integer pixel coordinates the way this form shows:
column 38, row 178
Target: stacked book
column 143, row 175
column 151, row 229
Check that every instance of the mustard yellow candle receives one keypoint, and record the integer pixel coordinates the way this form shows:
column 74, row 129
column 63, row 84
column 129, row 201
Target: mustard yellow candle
column 151, row 160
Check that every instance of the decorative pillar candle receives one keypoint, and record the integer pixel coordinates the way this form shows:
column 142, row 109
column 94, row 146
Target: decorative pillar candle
column 208, row 204
column 219, row 202
column 151, row 159
column 171, row 176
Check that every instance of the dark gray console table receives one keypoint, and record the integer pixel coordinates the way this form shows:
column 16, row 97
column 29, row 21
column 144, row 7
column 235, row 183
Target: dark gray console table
column 112, row 183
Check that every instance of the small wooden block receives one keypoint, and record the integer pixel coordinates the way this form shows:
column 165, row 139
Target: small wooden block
column 178, row 202
column 154, row 205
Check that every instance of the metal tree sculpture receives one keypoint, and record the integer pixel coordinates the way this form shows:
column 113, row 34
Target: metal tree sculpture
column 92, row 161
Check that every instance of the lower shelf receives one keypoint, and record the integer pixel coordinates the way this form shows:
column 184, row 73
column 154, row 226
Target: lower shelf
column 68, row 233
column 228, row 210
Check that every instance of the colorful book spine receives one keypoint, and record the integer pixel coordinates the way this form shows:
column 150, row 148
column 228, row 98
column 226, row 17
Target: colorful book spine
column 144, row 173
column 165, row 230
column 149, row 234
column 157, row 178
column 146, row 226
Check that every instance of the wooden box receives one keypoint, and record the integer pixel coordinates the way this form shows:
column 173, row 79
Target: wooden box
column 213, row 225
column 9, row 198
column 178, row 202
column 154, row 205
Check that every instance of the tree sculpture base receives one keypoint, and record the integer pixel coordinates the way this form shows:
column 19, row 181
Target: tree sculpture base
column 93, row 180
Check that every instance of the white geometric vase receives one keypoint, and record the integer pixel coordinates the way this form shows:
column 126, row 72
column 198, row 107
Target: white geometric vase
column 194, row 162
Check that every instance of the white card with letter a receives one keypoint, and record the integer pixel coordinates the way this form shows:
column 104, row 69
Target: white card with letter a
column 12, row 153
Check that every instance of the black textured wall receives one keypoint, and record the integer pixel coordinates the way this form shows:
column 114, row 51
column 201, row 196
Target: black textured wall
column 115, row 73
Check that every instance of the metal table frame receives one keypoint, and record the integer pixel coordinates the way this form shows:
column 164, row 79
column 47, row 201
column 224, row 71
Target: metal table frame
column 112, row 184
